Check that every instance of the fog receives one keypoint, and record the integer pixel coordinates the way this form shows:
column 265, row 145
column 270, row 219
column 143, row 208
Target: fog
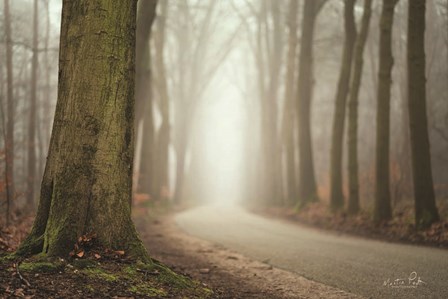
column 258, row 126
column 225, row 71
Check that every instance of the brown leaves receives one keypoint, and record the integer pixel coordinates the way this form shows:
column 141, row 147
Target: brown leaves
column 87, row 247
column 84, row 243
column 11, row 236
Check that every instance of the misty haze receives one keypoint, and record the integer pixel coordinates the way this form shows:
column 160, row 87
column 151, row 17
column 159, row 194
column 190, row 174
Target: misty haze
column 223, row 149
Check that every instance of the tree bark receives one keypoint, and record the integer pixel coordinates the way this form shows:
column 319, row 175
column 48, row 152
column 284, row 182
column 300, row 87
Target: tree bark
column 336, row 193
column 307, row 180
column 289, row 113
column 32, row 120
column 425, row 206
column 353, row 180
column 88, row 176
column 382, row 209
column 9, row 142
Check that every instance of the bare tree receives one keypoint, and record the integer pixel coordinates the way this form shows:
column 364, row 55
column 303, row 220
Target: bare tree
column 144, row 97
column 425, row 206
column 353, row 198
column 9, row 142
column 307, row 179
column 382, row 209
column 32, row 120
column 289, row 112
column 163, row 137
column 336, row 194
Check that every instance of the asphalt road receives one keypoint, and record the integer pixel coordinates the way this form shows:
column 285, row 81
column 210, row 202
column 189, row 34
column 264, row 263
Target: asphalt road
column 355, row 265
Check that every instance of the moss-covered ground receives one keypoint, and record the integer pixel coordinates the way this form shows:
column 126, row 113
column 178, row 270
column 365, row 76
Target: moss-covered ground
column 85, row 278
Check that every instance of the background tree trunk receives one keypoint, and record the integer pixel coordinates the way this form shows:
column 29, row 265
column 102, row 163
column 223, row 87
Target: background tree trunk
column 163, row 139
column 382, row 209
column 336, row 193
column 425, row 206
column 144, row 96
column 88, row 175
column 10, row 112
column 32, row 120
column 307, row 179
column 270, row 108
column 289, row 113
column 353, row 180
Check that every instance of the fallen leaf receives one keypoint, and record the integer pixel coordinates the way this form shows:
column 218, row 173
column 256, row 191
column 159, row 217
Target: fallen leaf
column 80, row 254
column 19, row 293
column 97, row 256
column 204, row 271
column 120, row 252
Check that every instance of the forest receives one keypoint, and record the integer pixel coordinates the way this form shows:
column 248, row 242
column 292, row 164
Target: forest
column 156, row 148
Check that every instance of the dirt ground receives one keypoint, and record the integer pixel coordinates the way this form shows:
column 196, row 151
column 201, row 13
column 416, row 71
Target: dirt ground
column 108, row 275
column 229, row 274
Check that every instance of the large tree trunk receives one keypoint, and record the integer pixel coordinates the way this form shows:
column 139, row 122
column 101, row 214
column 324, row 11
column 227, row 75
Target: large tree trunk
column 9, row 142
column 382, row 209
column 144, row 97
column 32, row 120
column 425, row 207
column 307, row 180
column 289, row 113
column 163, row 139
column 353, row 180
column 336, row 193
column 88, row 175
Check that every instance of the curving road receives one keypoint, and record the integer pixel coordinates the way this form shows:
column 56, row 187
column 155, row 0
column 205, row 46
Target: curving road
column 352, row 264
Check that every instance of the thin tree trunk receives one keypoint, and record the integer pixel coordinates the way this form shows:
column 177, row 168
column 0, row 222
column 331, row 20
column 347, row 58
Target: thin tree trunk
column 88, row 176
column 147, row 159
column 307, row 180
column 163, row 139
column 289, row 113
column 9, row 142
column 382, row 209
column 145, row 18
column 353, row 180
column 47, row 103
column 336, row 193
column 425, row 206
column 180, row 170
column 144, row 98
column 32, row 120
column 3, row 132
column 271, row 133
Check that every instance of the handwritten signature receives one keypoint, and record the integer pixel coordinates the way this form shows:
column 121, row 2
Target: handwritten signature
column 413, row 281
